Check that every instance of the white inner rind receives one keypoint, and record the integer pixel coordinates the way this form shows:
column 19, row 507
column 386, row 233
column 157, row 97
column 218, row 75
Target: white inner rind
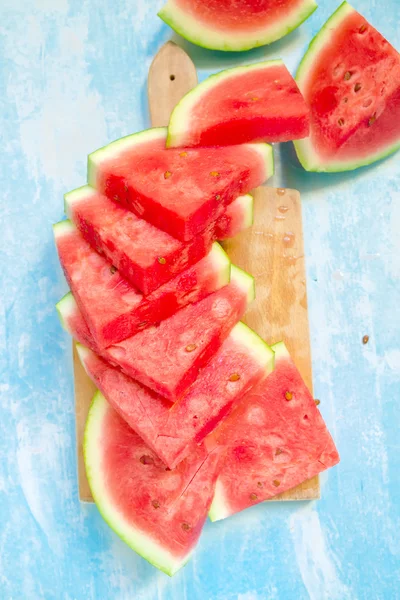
column 202, row 34
column 137, row 539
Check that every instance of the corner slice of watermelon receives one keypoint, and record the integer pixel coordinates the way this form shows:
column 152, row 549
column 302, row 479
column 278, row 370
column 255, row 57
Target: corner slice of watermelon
column 350, row 79
column 254, row 103
column 112, row 308
column 142, row 253
column 173, row 431
column 159, row 513
column 180, row 192
column 275, row 439
column 167, row 358
column 235, row 26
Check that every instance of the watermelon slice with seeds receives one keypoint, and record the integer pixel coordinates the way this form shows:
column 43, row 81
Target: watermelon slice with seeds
column 239, row 25
column 113, row 309
column 350, row 78
column 259, row 102
column 171, row 430
column 167, row 357
column 159, row 513
column 142, row 253
column 276, row 439
column 180, row 192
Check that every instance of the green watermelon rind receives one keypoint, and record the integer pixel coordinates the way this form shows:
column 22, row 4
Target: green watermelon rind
column 179, row 121
column 219, row 508
column 66, row 306
column 245, row 281
column 134, row 537
column 63, row 228
column 198, row 33
column 247, row 203
column 305, row 152
column 75, row 196
column 114, row 149
column 220, row 257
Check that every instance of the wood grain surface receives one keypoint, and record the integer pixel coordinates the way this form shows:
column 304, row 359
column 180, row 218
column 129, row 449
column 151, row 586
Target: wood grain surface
column 272, row 251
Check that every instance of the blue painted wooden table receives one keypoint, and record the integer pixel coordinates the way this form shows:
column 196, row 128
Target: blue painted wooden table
column 73, row 77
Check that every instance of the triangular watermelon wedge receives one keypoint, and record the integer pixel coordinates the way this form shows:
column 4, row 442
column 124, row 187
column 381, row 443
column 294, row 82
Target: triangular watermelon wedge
column 159, row 513
column 180, row 192
column 276, row 439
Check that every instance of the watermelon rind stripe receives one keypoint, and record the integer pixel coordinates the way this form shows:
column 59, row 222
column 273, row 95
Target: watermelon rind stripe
column 197, row 32
column 134, row 537
column 305, row 150
column 65, row 307
column 114, row 149
column 179, row 122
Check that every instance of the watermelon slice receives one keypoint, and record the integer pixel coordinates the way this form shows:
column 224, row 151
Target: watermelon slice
column 276, row 439
column 112, row 308
column 167, row 358
column 159, row 513
column 259, row 102
column 171, row 431
column 239, row 25
column 350, row 78
column 180, row 192
column 143, row 254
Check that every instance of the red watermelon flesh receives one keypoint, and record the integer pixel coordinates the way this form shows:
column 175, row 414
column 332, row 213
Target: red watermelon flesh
column 240, row 363
column 167, row 357
column 158, row 512
column 259, row 102
column 350, row 78
column 142, row 253
column 180, row 192
column 276, row 439
column 112, row 308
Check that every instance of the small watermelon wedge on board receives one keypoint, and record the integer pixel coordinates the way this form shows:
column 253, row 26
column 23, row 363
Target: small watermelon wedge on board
column 166, row 358
column 180, row 192
column 112, row 308
column 276, row 439
column 235, row 26
column 253, row 103
column 350, row 79
column 142, row 253
column 171, row 430
column 159, row 513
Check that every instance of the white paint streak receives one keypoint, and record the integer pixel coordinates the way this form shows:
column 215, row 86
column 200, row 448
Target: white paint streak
column 317, row 563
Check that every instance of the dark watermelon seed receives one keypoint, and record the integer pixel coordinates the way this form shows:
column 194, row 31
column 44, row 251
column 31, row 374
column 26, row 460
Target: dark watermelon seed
column 218, row 197
column 317, row 402
column 347, row 75
column 113, row 269
column 357, row 87
column 276, row 482
column 129, row 218
column 167, row 174
column 278, row 451
column 234, row 377
column 190, row 347
column 186, row 526
column 341, row 122
column 146, row 460
column 372, row 120
column 161, row 260
column 345, row 99
column 362, row 29
column 155, row 503
column 253, row 496
column 214, row 174
column 288, row 396
column 183, row 154
column 259, row 484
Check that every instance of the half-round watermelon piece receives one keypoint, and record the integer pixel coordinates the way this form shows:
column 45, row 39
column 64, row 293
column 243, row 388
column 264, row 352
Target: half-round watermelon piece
column 350, row 79
column 254, row 103
column 235, row 25
column 159, row 513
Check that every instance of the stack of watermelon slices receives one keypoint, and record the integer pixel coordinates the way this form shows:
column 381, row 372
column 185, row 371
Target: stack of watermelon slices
column 195, row 412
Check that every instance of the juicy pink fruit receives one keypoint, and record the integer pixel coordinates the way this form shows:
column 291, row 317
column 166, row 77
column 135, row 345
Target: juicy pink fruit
column 158, row 512
column 142, row 253
column 167, row 358
column 258, row 102
column 275, row 439
column 112, row 308
column 171, row 431
column 180, row 192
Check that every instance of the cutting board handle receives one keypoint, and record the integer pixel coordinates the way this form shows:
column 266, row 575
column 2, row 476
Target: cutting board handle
column 171, row 75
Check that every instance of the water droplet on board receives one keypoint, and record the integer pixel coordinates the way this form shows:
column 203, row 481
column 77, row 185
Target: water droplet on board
column 338, row 275
column 280, row 217
column 281, row 191
column 283, row 209
column 288, row 239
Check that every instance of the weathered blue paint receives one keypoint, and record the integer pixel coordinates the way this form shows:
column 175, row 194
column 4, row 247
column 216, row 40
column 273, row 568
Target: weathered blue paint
column 73, row 77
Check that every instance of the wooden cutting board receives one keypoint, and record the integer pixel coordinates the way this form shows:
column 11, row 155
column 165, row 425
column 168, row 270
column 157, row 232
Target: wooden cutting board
column 272, row 251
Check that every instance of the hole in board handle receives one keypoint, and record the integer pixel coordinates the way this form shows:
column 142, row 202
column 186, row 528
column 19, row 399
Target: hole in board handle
column 172, row 77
